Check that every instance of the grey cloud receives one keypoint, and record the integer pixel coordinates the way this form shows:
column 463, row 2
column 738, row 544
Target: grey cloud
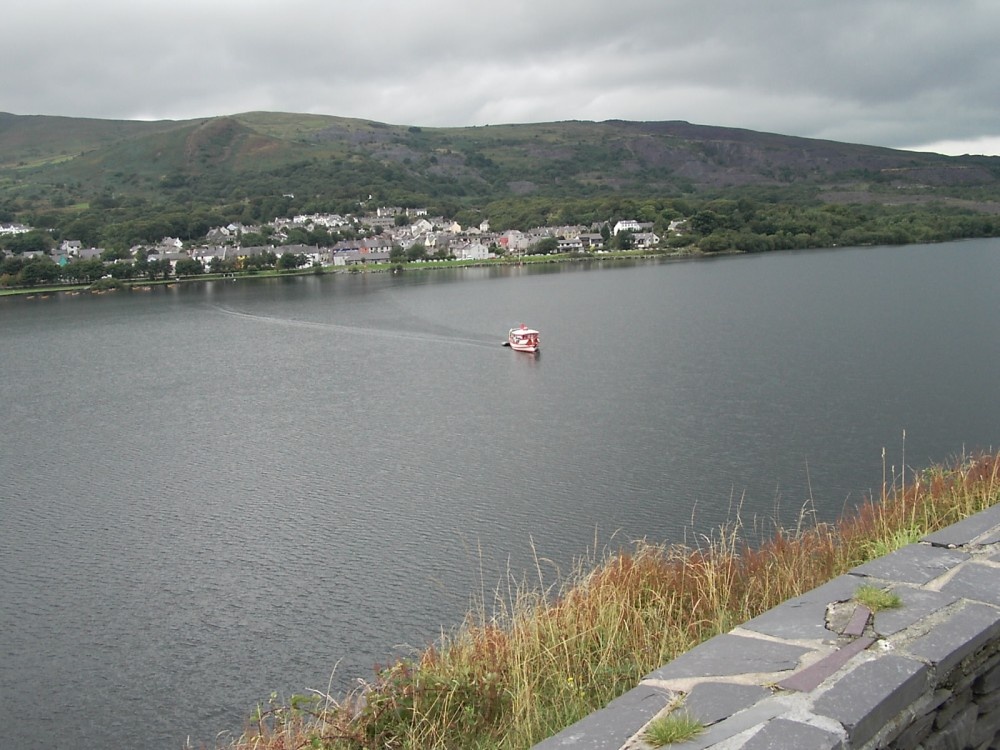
column 885, row 72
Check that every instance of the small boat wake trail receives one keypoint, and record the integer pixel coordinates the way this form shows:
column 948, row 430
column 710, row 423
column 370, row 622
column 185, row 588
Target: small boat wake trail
column 358, row 330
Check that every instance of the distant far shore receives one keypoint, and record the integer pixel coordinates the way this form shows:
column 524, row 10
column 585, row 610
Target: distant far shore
column 106, row 286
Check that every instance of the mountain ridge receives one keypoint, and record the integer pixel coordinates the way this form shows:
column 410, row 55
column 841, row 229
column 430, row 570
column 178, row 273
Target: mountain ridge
column 55, row 166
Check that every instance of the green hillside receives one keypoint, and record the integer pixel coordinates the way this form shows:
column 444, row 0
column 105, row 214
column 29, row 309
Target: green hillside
column 57, row 172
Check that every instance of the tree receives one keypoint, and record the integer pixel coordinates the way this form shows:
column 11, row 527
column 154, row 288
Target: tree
column 84, row 271
column 40, row 270
column 220, row 265
column 254, row 239
column 297, row 236
column 86, row 228
column 158, row 268
column 121, row 270
column 544, row 246
column 189, row 267
column 624, row 240
column 417, row 251
column 718, row 242
column 705, row 222
column 109, row 255
column 29, row 242
column 289, row 261
column 11, row 265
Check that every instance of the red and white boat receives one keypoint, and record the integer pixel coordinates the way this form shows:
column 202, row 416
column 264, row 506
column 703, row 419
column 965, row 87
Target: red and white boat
column 523, row 339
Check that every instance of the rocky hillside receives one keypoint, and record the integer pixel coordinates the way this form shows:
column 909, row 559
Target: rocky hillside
column 54, row 163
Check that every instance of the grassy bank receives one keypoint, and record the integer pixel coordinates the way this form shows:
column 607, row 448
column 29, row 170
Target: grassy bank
column 44, row 290
column 542, row 658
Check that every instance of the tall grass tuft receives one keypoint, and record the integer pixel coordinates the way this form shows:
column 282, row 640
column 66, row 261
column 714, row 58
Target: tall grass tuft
column 543, row 658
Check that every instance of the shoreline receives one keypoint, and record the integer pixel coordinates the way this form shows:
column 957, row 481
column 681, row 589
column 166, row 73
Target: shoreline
column 394, row 267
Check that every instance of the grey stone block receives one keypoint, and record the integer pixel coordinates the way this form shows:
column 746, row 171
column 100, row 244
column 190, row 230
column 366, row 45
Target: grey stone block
column 986, row 728
column 784, row 734
column 968, row 529
column 961, row 635
column 917, row 604
column 610, row 727
column 915, row 733
column 915, row 563
column 957, row 734
column 711, row 702
column 954, row 706
column 976, row 581
column 728, row 654
column 758, row 714
column 805, row 616
column 872, row 694
column 988, row 682
column 989, row 703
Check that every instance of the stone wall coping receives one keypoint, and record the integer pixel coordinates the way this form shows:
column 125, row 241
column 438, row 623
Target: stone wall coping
column 786, row 681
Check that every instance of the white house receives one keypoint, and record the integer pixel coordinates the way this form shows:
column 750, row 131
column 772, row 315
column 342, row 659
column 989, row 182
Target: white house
column 570, row 244
column 421, row 226
column 311, row 252
column 627, row 225
column 646, row 239
column 13, row 228
column 471, row 251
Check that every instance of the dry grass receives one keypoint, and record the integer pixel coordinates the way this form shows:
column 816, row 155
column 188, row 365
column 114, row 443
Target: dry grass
column 547, row 657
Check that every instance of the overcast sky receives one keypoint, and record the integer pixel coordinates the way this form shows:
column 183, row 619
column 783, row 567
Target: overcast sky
column 899, row 73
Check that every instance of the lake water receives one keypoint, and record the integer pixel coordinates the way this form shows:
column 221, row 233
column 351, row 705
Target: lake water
column 214, row 491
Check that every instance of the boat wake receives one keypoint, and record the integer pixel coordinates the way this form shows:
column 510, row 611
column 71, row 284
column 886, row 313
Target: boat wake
column 359, row 330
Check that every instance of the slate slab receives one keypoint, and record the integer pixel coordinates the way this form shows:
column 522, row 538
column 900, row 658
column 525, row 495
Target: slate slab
column 870, row 695
column 917, row 604
column 968, row 529
column 729, row 654
column 915, row 563
column 977, row 582
column 711, row 702
column 759, row 714
column 610, row 727
column 961, row 635
column 785, row 734
column 804, row 617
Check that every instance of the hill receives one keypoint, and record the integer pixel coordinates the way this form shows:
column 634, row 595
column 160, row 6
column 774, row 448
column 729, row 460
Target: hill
column 255, row 165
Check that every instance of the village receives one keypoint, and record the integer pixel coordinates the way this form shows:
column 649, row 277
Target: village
column 387, row 235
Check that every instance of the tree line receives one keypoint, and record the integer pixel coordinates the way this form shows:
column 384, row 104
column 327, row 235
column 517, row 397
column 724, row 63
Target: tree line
column 37, row 270
column 748, row 223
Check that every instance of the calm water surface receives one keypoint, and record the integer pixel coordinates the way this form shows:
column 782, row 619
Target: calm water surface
column 215, row 491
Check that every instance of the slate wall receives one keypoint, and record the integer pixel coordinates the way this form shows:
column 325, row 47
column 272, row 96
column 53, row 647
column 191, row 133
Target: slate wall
column 821, row 672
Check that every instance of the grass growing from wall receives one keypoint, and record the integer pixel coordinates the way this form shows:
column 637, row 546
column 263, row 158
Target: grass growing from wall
column 547, row 657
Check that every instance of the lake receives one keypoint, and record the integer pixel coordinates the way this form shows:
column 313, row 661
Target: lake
column 217, row 490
